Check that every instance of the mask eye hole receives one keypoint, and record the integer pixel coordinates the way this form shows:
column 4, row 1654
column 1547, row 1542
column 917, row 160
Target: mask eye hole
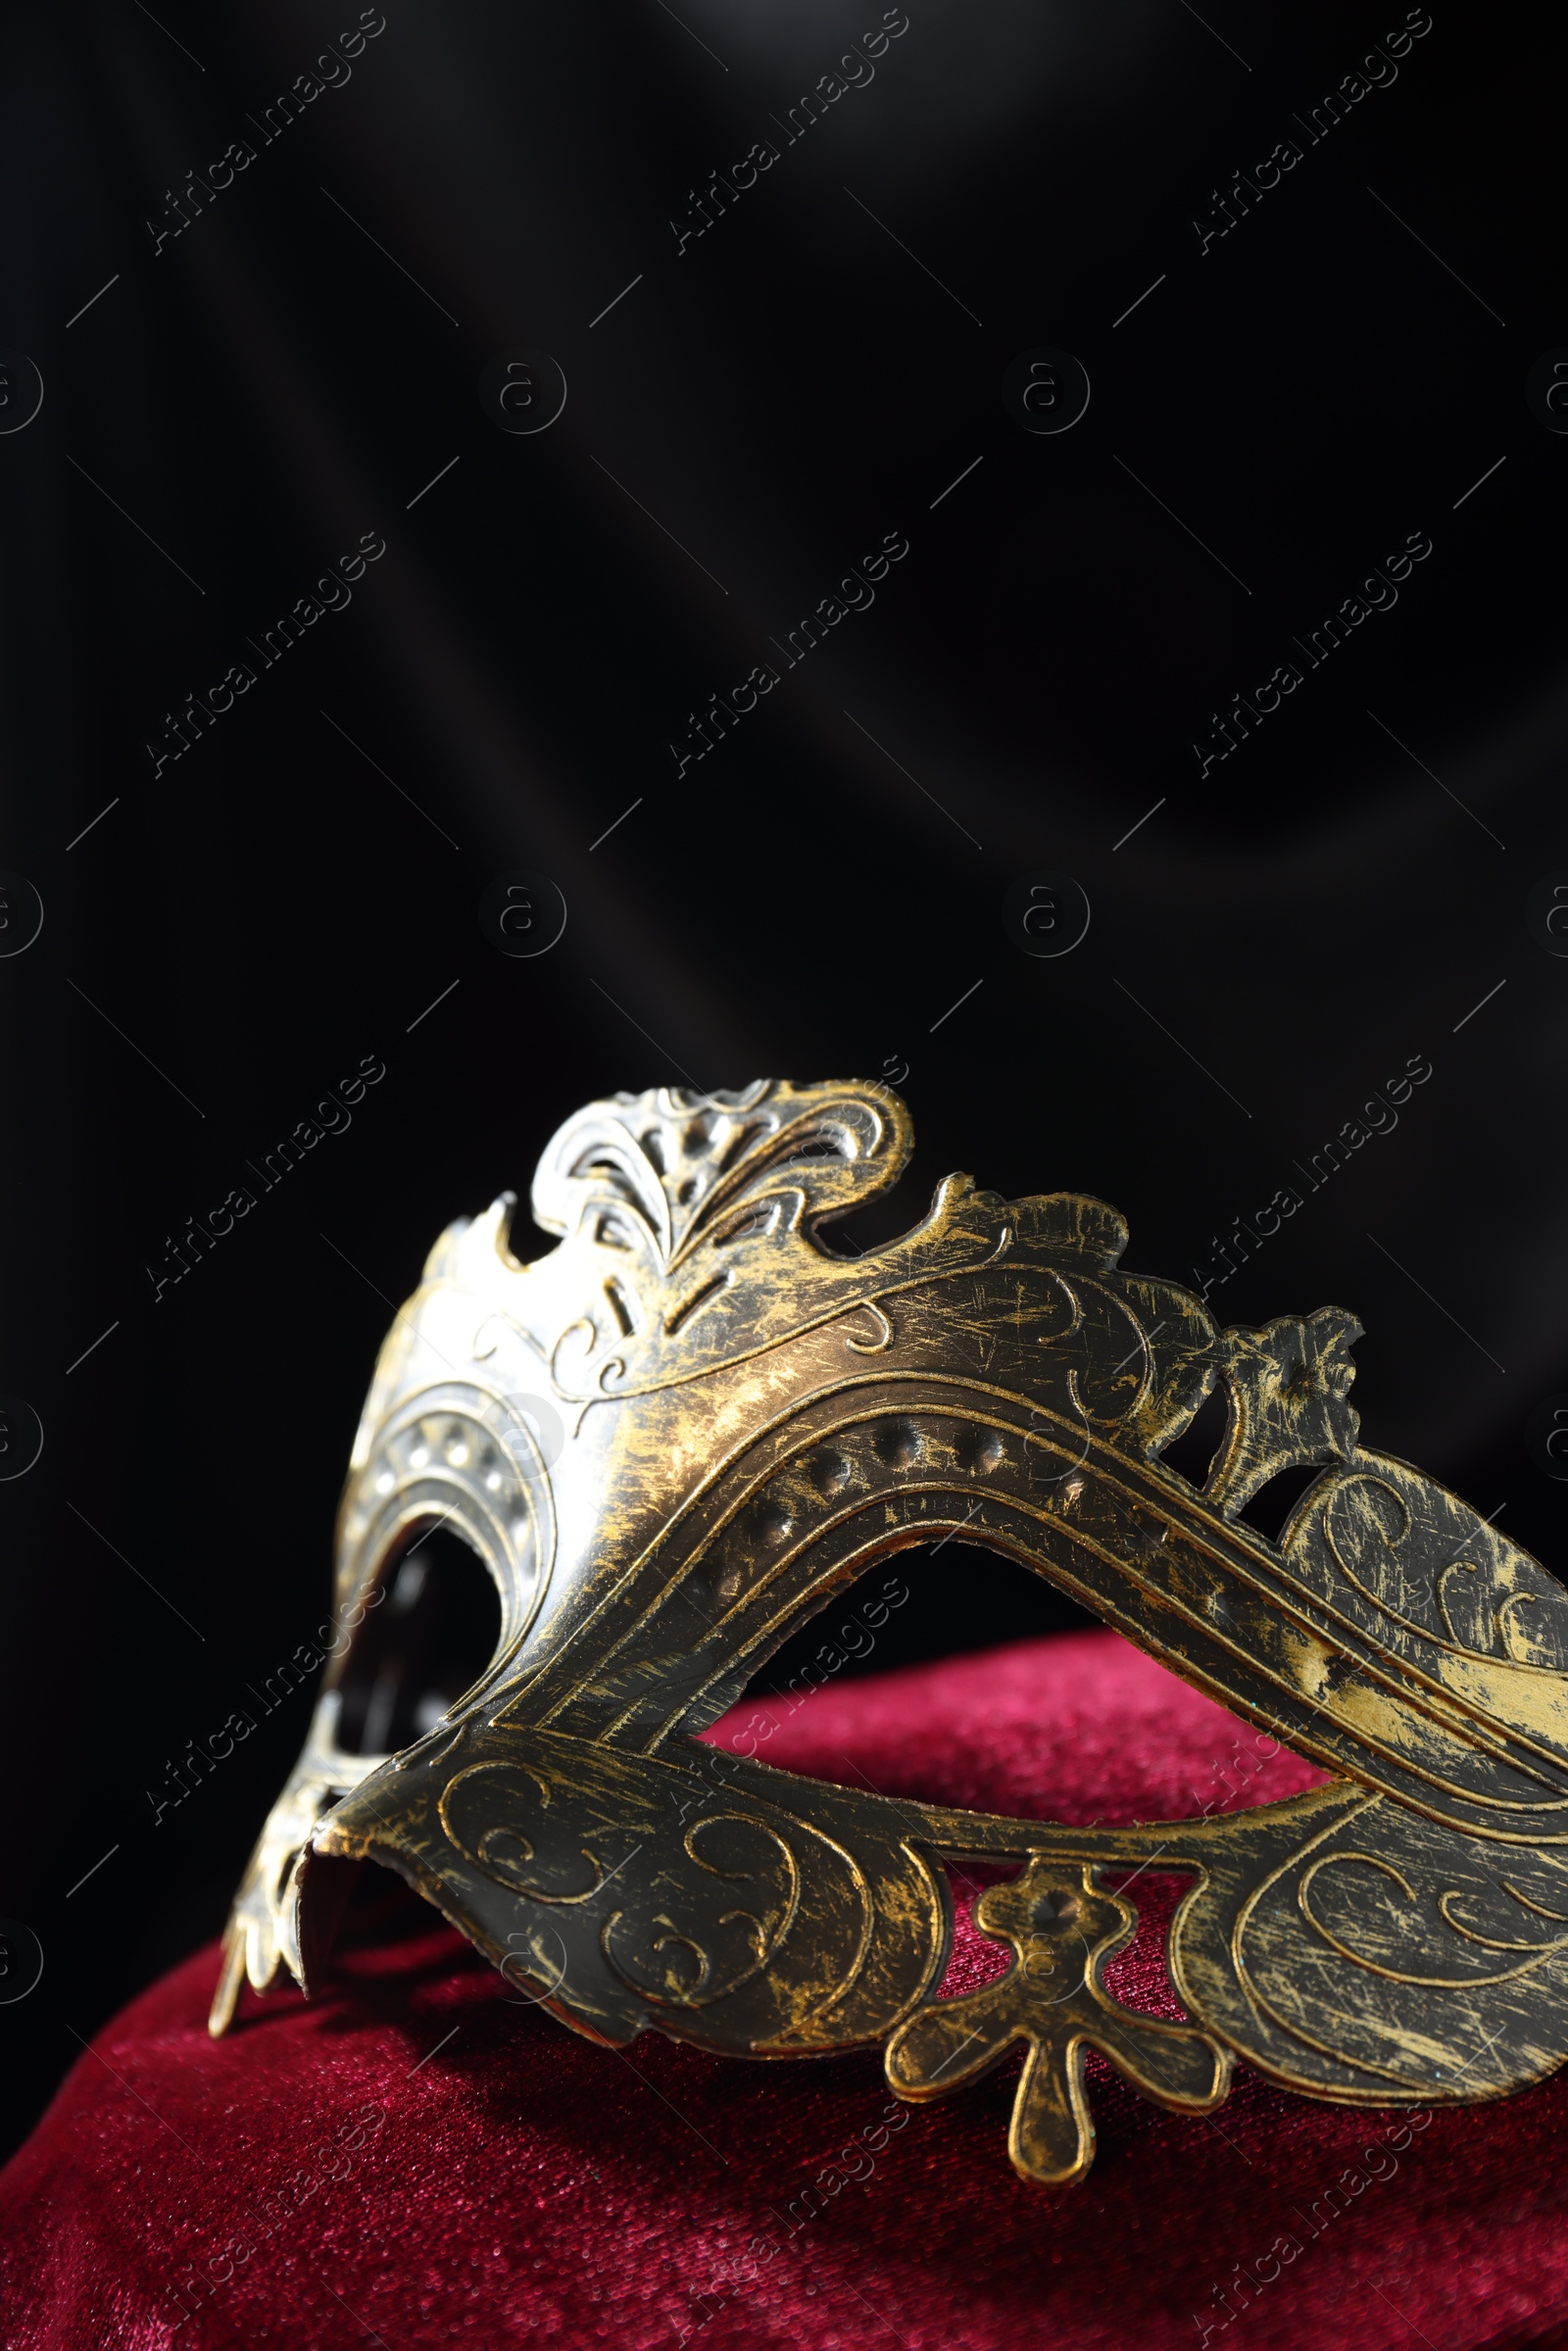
column 425, row 1643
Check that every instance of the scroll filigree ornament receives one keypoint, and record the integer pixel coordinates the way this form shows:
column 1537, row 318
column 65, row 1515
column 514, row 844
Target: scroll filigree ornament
column 740, row 1423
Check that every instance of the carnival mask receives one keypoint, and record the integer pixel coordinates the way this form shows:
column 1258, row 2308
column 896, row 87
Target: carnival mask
column 689, row 1426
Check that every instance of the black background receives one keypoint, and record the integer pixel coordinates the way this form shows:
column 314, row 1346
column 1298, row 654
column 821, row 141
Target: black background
column 237, row 930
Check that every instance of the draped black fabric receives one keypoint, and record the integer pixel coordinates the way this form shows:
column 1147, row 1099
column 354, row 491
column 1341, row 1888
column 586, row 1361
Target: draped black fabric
column 564, row 450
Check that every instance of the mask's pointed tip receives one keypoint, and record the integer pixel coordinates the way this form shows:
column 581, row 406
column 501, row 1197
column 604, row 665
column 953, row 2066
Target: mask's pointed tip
column 226, row 1999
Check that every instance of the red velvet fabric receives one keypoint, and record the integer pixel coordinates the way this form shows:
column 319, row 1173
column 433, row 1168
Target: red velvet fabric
column 415, row 2159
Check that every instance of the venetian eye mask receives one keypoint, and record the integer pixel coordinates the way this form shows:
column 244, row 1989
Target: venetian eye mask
column 691, row 1424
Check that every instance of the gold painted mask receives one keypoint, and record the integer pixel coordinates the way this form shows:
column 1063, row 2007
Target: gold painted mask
column 684, row 1430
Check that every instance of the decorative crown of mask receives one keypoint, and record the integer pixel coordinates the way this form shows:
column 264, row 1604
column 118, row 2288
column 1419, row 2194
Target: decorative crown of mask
column 689, row 1426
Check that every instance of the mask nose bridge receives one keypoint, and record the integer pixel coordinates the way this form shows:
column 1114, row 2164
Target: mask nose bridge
column 319, row 1888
